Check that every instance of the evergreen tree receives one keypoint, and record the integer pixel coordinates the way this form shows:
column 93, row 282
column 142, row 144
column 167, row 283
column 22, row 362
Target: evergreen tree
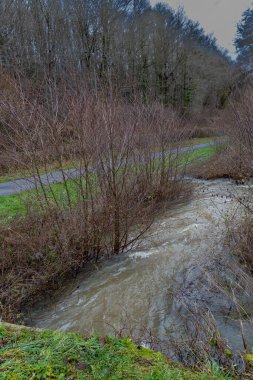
column 244, row 40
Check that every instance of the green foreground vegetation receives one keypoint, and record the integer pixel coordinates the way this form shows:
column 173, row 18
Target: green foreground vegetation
column 16, row 205
column 29, row 354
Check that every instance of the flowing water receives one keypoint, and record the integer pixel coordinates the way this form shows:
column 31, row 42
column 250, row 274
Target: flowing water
column 148, row 285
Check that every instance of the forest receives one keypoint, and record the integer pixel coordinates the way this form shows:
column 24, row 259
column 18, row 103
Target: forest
column 124, row 127
column 152, row 53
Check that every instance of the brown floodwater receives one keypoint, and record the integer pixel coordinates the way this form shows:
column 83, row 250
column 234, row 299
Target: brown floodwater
column 145, row 286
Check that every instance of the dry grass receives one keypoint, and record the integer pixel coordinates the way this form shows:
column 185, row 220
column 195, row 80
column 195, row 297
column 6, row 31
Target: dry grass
column 225, row 164
column 236, row 161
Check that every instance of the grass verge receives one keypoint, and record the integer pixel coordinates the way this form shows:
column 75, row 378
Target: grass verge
column 13, row 175
column 198, row 154
column 16, row 205
column 28, row 354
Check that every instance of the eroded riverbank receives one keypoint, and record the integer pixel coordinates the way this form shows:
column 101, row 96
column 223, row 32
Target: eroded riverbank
column 149, row 286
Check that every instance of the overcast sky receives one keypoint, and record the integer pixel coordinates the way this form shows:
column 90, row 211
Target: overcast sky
column 216, row 16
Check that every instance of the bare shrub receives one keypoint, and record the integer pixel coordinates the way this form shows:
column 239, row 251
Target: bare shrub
column 125, row 166
column 223, row 165
column 39, row 251
column 240, row 126
column 239, row 159
column 236, row 160
column 240, row 235
column 206, row 125
column 243, row 239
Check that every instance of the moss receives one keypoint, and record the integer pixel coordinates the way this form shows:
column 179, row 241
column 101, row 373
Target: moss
column 29, row 354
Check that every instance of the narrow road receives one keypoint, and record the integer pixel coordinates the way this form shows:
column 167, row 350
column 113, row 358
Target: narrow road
column 23, row 184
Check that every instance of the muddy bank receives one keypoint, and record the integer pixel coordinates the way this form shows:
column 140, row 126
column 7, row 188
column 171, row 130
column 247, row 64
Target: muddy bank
column 177, row 266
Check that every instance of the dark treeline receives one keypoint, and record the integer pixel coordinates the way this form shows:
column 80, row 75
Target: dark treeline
column 152, row 52
column 244, row 40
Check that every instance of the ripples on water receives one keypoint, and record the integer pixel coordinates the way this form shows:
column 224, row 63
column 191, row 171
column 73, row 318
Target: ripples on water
column 141, row 288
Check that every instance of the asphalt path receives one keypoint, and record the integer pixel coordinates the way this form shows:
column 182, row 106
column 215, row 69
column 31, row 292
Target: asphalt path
column 23, row 184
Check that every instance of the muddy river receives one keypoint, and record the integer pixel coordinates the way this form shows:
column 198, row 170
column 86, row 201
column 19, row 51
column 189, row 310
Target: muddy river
column 176, row 263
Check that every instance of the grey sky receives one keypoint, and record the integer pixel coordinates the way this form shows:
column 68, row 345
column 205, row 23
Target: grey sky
column 216, row 16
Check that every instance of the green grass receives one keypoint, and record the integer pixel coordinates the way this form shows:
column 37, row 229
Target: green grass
column 15, row 205
column 70, row 164
column 197, row 154
column 12, row 205
column 28, row 354
column 191, row 157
